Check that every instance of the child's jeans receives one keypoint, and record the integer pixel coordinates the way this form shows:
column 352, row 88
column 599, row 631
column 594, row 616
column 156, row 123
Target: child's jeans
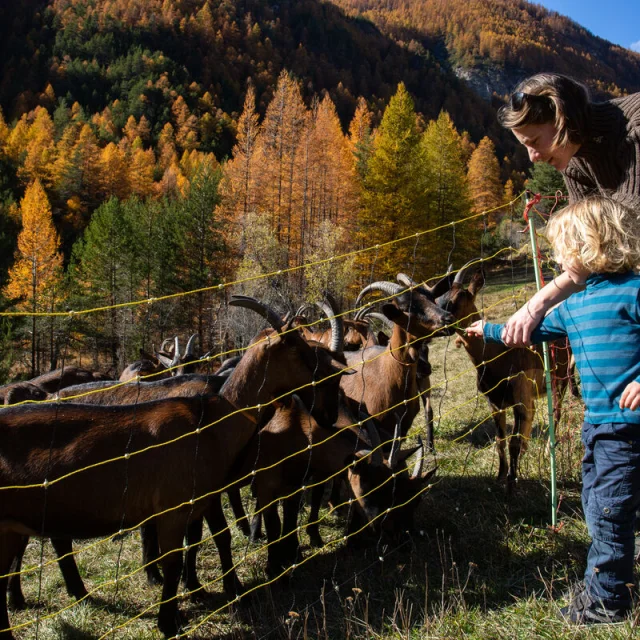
column 610, row 498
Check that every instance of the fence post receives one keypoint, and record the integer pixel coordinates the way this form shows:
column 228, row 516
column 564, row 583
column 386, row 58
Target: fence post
column 537, row 268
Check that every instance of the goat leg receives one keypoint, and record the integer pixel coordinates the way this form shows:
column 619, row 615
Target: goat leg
column 255, row 527
column 16, row 598
column 10, row 545
column 170, row 536
column 189, row 573
column 235, row 500
column 149, row 535
column 72, row 580
column 222, row 537
column 313, row 529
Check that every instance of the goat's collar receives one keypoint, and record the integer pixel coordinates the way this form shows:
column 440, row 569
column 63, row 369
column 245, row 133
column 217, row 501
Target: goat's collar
column 392, row 351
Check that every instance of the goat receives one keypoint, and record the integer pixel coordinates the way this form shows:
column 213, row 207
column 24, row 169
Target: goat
column 164, row 363
column 290, row 450
column 386, row 382
column 78, row 459
column 513, row 380
column 50, row 382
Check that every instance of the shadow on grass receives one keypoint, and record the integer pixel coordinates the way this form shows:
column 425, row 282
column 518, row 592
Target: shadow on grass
column 472, row 547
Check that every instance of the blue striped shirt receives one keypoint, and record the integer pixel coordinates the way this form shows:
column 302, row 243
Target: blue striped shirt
column 603, row 326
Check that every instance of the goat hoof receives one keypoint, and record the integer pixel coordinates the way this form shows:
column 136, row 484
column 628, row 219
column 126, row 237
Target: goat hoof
column 17, row 603
column 154, row 578
column 315, row 540
column 171, row 625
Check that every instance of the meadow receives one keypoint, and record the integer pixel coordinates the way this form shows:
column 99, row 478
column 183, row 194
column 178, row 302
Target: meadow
column 479, row 565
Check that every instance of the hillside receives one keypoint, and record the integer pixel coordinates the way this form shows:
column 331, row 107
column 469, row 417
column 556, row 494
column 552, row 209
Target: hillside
column 496, row 43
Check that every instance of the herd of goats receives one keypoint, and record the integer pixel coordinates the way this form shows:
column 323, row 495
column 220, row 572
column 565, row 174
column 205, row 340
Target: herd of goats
column 299, row 408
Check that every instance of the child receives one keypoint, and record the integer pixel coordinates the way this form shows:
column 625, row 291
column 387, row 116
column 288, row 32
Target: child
column 597, row 242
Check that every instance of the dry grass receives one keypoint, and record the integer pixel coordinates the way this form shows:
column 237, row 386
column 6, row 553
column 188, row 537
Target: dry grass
column 481, row 565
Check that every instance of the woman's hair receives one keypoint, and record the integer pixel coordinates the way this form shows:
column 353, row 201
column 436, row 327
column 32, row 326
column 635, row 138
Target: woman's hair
column 597, row 233
column 549, row 98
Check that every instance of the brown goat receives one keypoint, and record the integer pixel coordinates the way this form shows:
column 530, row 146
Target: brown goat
column 50, row 382
column 63, row 451
column 386, row 380
column 509, row 378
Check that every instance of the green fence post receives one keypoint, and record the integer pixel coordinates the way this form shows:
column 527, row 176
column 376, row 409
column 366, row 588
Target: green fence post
column 537, row 268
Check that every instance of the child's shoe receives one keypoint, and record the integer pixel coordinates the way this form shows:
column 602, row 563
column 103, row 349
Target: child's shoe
column 584, row 609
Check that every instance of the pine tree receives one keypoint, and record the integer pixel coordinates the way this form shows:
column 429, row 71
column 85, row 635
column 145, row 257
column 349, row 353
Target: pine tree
column 36, row 276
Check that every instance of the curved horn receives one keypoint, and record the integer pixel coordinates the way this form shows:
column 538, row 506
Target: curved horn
column 459, row 279
column 443, row 285
column 260, row 308
column 395, row 448
column 405, row 280
column 390, row 288
column 302, row 308
column 417, row 469
column 337, row 326
column 176, row 356
column 189, row 350
column 164, row 345
column 380, row 316
column 374, row 438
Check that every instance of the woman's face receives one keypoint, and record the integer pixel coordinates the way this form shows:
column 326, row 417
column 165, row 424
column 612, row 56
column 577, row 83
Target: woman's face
column 538, row 139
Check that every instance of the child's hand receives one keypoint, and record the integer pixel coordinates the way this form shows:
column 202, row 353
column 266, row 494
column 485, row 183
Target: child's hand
column 630, row 398
column 475, row 329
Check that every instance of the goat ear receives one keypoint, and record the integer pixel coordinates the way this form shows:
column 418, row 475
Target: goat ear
column 477, row 282
column 393, row 313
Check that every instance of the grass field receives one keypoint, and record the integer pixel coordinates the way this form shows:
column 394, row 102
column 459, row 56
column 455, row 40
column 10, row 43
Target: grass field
column 480, row 565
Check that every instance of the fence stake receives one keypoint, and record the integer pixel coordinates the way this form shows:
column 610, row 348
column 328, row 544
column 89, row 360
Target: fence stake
column 537, row 268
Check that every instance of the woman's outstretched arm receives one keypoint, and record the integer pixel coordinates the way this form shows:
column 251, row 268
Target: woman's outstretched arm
column 517, row 330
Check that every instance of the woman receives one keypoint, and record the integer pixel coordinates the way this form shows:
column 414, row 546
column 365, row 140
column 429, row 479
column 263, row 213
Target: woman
column 596, row 147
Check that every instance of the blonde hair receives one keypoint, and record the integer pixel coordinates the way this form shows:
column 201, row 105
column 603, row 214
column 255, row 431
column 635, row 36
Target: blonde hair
column 551, row 98
column 597, row 233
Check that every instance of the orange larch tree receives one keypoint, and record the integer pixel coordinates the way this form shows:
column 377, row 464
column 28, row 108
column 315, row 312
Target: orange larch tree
column 485, row 188
column 36, row 276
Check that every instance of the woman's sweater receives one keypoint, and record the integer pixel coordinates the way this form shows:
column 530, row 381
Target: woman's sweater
column 609, row 162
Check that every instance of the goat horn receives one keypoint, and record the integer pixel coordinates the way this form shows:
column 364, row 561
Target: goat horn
column 260, row 308
column 380, row 316
column 374, row 438
column 459, row 279
column 163, row 345
column 443, row 285
column 176, row 355
column 189, row 351
column 337, row 326
column 390, row 288
column 417, row 469
column 302, row 308
column 395, row 447
column 405, row 280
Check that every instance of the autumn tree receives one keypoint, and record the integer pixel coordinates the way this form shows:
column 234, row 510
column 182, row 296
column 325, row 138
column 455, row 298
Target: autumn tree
column 485, row 188
column 277, row 144
column 238, row 187
column 443, row 180
column 392, row 201
column 36, row 276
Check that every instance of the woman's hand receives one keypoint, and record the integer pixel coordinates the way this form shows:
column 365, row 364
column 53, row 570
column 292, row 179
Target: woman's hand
column 630, row 398
column 475, row 329
column 517, row 330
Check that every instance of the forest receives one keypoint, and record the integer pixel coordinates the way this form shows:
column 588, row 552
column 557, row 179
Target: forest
column 150, row 149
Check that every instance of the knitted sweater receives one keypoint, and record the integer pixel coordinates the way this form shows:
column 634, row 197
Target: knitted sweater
column 608, row 163
column 603, row 326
